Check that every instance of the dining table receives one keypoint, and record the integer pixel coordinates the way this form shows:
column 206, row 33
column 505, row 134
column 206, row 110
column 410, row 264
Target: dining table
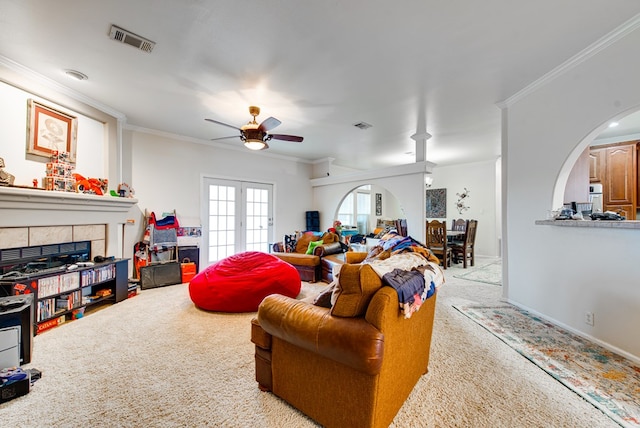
column 454, row 235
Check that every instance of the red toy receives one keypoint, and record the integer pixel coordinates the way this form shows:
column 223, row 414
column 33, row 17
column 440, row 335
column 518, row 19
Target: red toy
column 97, row 186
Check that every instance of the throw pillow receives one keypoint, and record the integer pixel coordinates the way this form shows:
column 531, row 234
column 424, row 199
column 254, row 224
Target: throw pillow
column 329, row 238
column 312, row 246
column 289, row 243
column 356, row 287
column 324, row 298
column 303, row 242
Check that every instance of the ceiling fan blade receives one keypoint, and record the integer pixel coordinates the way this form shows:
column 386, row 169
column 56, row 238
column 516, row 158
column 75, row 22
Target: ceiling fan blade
column 269, row 123
column 223, row 124
column 283, row 137
column 225, row 138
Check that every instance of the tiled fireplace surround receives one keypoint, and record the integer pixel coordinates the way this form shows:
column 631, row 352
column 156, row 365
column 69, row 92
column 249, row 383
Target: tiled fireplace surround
column 31, row 217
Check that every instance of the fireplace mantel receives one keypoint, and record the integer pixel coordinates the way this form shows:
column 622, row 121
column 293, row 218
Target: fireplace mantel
column 36, row 207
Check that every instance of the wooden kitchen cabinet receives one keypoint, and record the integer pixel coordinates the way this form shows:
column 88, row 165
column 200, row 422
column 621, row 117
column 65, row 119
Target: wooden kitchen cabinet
column 596, row 165
column 616, row 167
column 627, row 211
column 621, row 176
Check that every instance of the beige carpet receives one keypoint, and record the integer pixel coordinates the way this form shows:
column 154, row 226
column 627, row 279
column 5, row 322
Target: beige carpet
column 157, row 361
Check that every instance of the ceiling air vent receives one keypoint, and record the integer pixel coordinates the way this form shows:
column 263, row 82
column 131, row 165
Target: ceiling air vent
column 124, row 36
column 362, row 125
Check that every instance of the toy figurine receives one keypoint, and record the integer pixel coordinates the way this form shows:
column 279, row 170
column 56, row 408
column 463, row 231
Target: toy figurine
column 6, row 179
column 125, row 191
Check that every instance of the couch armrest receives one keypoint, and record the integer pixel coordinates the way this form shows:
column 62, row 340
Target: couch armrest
column 354, row 257
column 350, row 341
column 327, row 249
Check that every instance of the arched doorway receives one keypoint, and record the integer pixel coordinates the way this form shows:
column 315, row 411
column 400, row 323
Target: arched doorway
column 363, row 208
column 605, row 173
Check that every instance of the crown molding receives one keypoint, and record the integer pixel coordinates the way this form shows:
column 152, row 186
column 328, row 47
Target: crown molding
column 237, row 148
column 26, row 73
column 619, row 33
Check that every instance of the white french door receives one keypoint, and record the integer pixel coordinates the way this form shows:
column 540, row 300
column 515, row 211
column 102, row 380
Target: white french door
column 238, row 217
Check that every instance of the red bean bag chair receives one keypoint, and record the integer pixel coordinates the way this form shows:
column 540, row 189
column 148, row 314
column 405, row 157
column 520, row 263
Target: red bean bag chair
column 239, row 283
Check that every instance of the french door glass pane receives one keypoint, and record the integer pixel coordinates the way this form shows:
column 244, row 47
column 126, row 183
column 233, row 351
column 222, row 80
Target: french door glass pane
column 221, row 221
column 257, row 219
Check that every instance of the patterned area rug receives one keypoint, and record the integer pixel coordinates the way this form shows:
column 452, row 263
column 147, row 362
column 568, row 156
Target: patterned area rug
column 608, row 381
column 490, row 274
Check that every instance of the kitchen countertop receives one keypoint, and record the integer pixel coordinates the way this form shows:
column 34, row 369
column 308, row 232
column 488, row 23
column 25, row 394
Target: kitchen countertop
column 599, row 224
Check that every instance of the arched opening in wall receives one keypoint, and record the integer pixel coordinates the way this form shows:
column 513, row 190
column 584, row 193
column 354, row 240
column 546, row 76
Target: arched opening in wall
column 365, row 207
column 604, row 174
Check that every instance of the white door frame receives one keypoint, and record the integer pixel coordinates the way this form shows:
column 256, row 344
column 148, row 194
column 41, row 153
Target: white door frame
column 238, row 221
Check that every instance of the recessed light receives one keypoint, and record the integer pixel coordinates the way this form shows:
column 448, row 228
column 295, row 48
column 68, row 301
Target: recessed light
column 76, row 74
column 613, row 124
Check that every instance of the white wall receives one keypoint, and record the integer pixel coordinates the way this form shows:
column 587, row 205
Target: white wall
column 167, row 174
column 97, row 145
column 480, row 179
column 391, row 209
column 409, row 191
column 563, row 272
column 13, row 139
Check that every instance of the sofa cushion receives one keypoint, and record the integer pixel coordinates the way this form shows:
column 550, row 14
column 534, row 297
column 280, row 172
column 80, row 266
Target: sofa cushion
column 298, row 259
column 356, row 287
column 303, row 242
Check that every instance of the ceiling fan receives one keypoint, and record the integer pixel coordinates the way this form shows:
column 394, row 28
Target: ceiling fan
column 255, row 136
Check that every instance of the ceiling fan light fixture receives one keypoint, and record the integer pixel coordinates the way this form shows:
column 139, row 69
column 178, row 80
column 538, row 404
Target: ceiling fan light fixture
column 252, row 144
column 254, row 136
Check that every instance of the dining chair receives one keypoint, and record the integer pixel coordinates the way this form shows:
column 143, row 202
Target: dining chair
column 459, row 225
column 436, row 241
column 401, row 226
column 466, row 249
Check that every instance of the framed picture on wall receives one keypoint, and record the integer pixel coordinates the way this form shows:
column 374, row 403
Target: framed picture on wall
column 436, row 206
column 378, row 204
column 50, row 130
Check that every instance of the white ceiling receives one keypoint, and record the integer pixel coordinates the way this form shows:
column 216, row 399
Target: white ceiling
column 319, row 67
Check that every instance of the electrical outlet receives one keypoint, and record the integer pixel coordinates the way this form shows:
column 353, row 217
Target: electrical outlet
column 588, row 318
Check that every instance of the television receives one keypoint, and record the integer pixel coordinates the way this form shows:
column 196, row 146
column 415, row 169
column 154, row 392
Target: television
column 16, row 314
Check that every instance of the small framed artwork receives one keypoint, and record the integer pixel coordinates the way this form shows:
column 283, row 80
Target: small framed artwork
column 436, row 203
column 378, row 204
column 50, row 130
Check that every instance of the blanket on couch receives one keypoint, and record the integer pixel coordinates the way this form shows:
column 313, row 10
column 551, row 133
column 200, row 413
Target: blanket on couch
column 409, row 267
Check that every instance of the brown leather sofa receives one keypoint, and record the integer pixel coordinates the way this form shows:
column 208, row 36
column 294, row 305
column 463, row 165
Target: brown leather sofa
column 309, row 266
column 353, row 365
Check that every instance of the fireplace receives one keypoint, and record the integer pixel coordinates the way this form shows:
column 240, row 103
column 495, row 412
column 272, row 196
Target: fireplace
column 34, row 217
column 23, row 263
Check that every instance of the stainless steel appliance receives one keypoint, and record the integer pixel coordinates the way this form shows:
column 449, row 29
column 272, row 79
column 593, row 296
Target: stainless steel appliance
column 595, row 197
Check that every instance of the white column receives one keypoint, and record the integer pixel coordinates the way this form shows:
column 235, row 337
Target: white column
column 421, row 144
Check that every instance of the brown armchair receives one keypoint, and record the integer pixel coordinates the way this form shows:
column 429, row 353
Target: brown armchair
column 309, row 265
column 352, row 365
